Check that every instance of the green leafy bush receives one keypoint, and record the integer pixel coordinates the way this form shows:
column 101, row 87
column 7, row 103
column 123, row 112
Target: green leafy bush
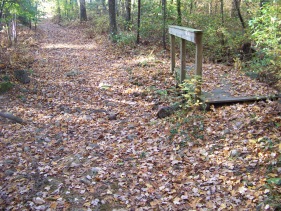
column 125, row 39
column 265, row 28
column 190, row 89
column 5, row 86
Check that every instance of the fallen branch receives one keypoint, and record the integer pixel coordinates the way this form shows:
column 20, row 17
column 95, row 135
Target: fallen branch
column 11, row 117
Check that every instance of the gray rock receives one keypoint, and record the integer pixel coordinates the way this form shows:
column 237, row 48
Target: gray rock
column 95, row 170
column 9, row 172
column 131, row 137
column 39, row 201
column 9, row 161
column 226, row 131
column 85, row 181
column 165, row 112
column 112, row 116
column 234, row 153
column 22, row 76
column 26, row 149
column 40, row 208
column 73, row 73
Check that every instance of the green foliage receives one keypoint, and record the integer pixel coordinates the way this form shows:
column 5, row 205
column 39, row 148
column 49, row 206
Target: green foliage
column 66, row 10
column 190, row 89
column 125, row 39
column 265, row 28
column 275, row 181
column 5, row 86
column 26, row 10
column 101, row 24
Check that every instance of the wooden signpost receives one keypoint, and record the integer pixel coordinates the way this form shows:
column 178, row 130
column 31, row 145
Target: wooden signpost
column 186, row 34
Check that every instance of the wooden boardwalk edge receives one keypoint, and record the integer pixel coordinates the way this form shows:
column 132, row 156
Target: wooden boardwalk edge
column 237, row 99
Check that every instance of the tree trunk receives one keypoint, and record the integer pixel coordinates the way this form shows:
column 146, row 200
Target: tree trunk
column 222, row 12
column 128, row 11
column 237, row 5
column 210, row 8
column 58, row 11
column 116, row 8
column 83, row 13
column 179, row 12
column 233, row 10
column 139, row 21
column 1, row 8
column 164, row 23
column 123, row 8
column 14, row 30
column 222, row 21
column 191, row 7
column 112, row 18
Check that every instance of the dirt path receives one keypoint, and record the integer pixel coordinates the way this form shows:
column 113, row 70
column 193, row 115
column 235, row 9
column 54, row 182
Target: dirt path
column 86, row 124
column 92, row 141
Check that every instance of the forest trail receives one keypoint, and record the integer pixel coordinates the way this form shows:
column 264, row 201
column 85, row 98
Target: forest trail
column 92, row 141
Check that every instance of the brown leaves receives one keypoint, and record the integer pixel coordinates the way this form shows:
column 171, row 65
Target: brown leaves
column 71, row 155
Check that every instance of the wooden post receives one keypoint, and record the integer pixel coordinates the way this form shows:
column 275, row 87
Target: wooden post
column 199, row 55
column 183, row 60
column 173, row 53
column 191, row 35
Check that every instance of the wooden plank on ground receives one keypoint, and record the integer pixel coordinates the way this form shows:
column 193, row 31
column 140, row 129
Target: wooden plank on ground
column 219, row 99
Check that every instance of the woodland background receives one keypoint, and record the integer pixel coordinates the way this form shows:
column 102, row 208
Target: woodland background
column 244, row 32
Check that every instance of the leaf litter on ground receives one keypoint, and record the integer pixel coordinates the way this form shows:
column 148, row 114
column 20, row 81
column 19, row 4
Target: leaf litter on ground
column 69, row 155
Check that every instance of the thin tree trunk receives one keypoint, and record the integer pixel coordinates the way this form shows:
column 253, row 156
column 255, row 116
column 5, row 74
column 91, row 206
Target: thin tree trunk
column 83, row 13
column 36, row 17
column 128, row 11
column 58, row 11
column 179, row 12
column 112, row 18
column 14, row 30
column 116, row 8
column 1, row 8
column 191, row 7
column 123, row 8
column 210, row 8
column 237, row 5
column 164, row 23
column 139, row 21
column 222, row 21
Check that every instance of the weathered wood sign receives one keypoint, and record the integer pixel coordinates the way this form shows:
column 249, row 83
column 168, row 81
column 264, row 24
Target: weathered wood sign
column 186, row 34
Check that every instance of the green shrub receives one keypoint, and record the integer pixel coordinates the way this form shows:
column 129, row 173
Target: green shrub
column 5, row 86
column 265, row 28
column 125, row 39
column 190, row 89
